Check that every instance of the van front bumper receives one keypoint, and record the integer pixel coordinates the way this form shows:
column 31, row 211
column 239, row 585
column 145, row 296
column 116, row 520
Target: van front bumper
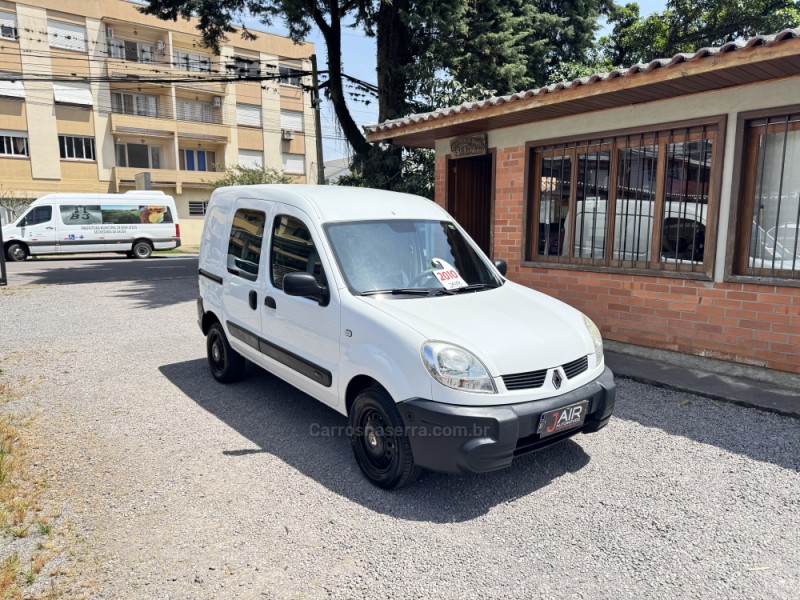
column 477, row 439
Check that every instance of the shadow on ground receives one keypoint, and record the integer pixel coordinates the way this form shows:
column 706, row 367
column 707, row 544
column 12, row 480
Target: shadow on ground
column 152, row 283
column 281, row 420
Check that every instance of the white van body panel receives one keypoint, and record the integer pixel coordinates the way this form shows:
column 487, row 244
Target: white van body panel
column 512, row 329
column 84, row 223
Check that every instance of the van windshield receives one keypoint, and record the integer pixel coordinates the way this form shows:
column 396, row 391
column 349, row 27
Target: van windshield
column 408, row 257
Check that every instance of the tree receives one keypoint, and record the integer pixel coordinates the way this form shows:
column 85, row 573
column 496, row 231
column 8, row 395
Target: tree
column 514, row 45
column 13, row 202
column 239, row 175
column 416, row 40
column 688, row 25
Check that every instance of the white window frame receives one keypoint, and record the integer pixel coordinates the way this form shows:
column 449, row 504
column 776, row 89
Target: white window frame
column 8, row 146
column 287, row 78
column 248, row 115
column 289, row 160
column 145, row 51
column 153, row 155
column 195, row 62
column 195, row 110
column 253, row 159
column 253, row 66
column 197, row 208
column 292, row 120
column 8, row 26
column 69, row 147
column 210, row 159
column 66, row 36
column 121, row 101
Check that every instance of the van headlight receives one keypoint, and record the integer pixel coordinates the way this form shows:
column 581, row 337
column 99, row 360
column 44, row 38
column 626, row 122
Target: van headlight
column 597, row 339
column 457, row 368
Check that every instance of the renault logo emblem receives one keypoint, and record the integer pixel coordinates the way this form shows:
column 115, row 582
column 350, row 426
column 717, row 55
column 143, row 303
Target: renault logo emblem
column 557, row 379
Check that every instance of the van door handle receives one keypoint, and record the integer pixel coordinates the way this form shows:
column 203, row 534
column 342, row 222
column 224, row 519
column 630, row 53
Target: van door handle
column 269, row 302
column 49, row 227
column 253, row 299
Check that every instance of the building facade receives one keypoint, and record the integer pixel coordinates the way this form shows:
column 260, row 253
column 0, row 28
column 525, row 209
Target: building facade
column 93, row 93
column 663, row 200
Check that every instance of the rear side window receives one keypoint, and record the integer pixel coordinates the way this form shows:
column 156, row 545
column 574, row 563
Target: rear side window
column 115, row 214
column 293, row 251
column 244, row 246
column 40, row 214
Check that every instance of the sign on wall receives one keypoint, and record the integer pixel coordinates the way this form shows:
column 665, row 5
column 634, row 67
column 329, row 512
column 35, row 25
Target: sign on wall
column 468, row 145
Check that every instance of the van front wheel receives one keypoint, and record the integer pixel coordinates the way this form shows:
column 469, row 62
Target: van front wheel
column 16, row 252
column 225, row 363
column 142, row 250
column 380, row 445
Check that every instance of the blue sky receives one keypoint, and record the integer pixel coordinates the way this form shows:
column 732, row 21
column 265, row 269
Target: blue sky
column 358, row 59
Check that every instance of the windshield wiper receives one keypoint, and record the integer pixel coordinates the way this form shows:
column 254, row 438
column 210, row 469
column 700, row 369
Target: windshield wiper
column 399, row 292
column 476, row 286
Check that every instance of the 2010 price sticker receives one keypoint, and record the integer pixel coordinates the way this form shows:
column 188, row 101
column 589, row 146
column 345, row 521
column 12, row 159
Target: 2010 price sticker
column 447, row 275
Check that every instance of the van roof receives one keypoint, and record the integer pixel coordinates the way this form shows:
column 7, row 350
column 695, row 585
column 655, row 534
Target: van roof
column 338, row 203
column 127, row 196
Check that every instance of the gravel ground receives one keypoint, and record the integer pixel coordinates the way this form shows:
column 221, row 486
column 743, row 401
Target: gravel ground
column 184, row 488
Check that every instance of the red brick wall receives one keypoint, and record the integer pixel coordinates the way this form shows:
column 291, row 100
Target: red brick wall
column 439, row 181
column 752, row 324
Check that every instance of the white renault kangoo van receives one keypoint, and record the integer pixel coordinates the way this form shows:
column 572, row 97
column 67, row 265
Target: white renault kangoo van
column 379, row 305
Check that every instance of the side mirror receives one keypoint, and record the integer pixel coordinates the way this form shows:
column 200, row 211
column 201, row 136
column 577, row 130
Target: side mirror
column 306, row 286
column 502, row 266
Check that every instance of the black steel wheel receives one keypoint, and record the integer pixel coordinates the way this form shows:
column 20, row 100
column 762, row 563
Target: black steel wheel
column 225, row 363
column 379, row 441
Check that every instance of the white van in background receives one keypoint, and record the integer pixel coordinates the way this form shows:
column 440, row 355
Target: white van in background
column 134, row 223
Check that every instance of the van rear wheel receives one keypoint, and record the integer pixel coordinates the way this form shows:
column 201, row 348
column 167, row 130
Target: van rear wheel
column 227, row 365
column 380, row 445
column 142, row 250
column 16, row 252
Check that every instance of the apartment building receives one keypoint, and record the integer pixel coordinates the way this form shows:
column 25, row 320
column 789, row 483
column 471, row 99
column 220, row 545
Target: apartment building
column 93, row 93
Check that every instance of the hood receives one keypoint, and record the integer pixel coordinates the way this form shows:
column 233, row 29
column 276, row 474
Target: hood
column 512, row 329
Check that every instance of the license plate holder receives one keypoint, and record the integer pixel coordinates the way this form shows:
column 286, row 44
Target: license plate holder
column 562, row 419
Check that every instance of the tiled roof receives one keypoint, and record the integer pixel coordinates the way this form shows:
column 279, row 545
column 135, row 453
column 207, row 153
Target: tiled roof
column 659, row 63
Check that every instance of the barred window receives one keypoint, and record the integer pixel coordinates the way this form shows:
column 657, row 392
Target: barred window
column 197, row 209
column 76, row 147
column 633, row 201
column 769, row 223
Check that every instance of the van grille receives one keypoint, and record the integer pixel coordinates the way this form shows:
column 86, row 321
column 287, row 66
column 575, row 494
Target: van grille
column 535, row 379
column 525, row 381
column 576, row 367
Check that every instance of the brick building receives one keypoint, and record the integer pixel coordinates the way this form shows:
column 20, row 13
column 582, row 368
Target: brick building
column 663, row 199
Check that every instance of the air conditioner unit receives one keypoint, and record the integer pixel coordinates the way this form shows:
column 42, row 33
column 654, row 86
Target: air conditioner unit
column 110, row 33
column 216, row 102
column 161, row 47
column 287, row 134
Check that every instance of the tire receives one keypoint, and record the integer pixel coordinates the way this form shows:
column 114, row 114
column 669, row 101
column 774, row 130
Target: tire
column 142, row 250
column 16, row 252
column 382, row 449
column 226, row 365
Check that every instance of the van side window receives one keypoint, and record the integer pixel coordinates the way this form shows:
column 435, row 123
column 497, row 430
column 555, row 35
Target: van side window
column 244, row 246
column 293, row 250
column 40, row 214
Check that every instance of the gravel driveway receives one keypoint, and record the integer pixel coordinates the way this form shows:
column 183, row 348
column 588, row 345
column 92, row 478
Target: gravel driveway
column 184, row 488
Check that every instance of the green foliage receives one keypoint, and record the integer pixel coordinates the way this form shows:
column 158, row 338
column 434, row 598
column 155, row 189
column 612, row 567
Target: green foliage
column 688, row 25
column 239, row 175
column 513, row 45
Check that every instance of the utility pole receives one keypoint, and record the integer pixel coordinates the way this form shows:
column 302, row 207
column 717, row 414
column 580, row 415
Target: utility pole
column 315, row 102
column 3, row 276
